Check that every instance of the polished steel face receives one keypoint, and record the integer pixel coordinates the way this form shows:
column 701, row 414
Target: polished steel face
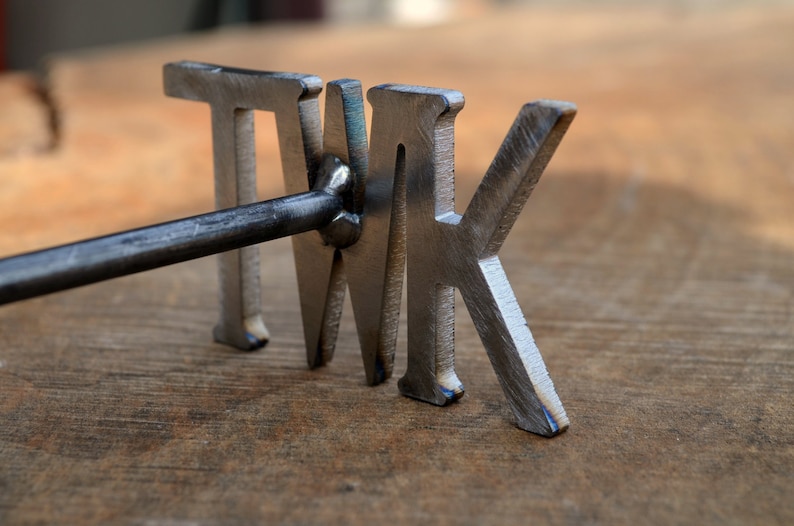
column 402, row 218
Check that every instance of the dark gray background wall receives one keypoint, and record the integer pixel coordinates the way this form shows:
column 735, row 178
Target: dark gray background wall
column 35, row 28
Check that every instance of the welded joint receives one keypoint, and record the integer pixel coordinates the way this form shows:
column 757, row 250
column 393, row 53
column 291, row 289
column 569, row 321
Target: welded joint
column 334, row 177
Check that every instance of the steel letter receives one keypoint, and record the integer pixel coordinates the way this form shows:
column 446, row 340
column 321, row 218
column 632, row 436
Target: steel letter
column 233, row 94
column 445, row 249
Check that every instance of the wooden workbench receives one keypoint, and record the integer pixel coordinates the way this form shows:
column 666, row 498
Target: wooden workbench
column 654, row 263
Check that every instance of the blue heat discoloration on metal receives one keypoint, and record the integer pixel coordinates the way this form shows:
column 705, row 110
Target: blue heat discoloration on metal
column 254, row 341
column 380, row 371
column 449, row 393
column 552, row 422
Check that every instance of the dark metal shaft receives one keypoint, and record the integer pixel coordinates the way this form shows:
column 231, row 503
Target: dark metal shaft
column 98, row 259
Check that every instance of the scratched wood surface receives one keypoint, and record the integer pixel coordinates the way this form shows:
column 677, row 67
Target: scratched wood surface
column 654, row 262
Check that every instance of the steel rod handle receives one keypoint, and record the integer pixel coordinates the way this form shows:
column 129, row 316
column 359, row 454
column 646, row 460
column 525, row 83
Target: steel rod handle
column 73, row 265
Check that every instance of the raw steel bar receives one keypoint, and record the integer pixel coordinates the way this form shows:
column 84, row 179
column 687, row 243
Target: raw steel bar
column 68, row 266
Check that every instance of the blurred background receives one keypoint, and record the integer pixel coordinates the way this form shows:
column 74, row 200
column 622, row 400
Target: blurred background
column 31, row 29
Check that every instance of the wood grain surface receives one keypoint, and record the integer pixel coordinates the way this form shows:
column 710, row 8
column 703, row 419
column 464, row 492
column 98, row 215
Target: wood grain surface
column 654, row 263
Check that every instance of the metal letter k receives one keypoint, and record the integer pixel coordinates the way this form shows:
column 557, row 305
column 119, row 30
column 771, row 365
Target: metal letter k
column 446, row 250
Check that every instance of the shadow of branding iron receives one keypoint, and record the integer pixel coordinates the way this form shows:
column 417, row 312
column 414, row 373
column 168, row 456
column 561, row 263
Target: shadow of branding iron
column 361, row 217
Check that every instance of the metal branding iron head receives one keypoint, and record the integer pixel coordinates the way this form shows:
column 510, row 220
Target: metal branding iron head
column 361, row 216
